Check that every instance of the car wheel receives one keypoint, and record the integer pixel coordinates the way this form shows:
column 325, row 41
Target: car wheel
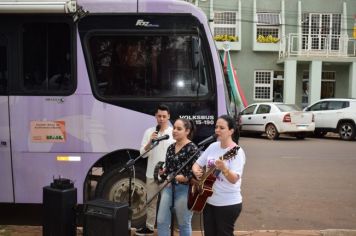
column 320, row 134
column 271, row 132
column 347, row 131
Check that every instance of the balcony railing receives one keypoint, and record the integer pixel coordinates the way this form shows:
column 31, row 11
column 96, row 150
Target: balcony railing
column 309, row 45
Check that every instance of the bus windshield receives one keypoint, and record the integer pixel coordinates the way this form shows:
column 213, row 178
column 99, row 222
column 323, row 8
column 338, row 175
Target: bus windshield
column 145, row 66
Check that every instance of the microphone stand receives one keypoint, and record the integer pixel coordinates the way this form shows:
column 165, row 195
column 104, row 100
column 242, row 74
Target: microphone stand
column 130, row 166
column 169, row 179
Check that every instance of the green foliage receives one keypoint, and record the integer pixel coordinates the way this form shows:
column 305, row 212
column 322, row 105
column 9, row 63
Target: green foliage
column 267, row 39
column 226, row 37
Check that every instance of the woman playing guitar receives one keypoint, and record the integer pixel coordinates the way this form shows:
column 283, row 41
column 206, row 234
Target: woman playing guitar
column 223, row 207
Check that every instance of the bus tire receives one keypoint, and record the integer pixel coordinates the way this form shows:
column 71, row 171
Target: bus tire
column 115, row 187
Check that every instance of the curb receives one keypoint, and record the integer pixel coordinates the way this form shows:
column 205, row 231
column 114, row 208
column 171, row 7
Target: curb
column 338, row 232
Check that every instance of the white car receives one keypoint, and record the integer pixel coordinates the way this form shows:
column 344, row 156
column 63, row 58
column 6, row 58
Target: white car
column 276, row 118
column 336, row 115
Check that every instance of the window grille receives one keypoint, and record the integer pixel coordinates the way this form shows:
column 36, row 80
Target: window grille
column 224, row 30
column 268, row 19
column 266, row 31
column 268, row 24
column 225, row 23
column 263, row 85
column 321, row 31
column 226, row 17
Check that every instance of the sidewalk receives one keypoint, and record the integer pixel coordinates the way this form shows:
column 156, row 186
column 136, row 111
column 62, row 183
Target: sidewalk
column 15, row 230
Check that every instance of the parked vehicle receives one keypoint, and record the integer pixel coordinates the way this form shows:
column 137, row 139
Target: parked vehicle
column 79, row 86
column 275, row 119
column 336, row 115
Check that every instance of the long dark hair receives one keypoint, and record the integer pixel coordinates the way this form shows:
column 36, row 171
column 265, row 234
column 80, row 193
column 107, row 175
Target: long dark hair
column 231, row 124
column 188, row 124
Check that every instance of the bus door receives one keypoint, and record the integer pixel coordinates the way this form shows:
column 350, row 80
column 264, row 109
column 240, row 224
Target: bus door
column 6, row 182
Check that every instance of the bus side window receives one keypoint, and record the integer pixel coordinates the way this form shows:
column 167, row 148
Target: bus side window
column 47, row 58
column 3, row 65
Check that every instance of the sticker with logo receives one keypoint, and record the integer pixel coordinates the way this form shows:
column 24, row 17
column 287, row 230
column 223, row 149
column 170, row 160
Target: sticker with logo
column 48, row 131
column 143, row 23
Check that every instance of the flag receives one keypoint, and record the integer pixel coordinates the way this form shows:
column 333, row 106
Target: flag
column 237, row 93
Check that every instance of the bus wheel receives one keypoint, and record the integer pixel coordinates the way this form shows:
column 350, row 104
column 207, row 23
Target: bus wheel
column 115, row 187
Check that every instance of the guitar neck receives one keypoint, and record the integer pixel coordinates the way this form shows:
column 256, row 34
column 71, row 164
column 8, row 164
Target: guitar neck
column 206, row 174
column 228, row 155
column 209, row 172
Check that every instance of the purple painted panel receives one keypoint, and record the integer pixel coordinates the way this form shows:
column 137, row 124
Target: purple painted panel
column 6, row 191
column 107, row 6
column 33, row 171
column 92, row 127
column 171, row 6
column 83, row 85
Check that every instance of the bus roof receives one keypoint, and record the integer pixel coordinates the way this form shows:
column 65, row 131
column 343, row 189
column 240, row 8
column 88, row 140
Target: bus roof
column 38, row 6
column 101, row 6
column 142, row 6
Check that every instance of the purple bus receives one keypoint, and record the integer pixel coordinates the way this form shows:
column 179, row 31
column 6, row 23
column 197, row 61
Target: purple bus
column 79, row 84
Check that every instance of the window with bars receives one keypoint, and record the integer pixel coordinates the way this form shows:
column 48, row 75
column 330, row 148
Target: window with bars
column 266, row 31
column 225, row 23
column 321, row 31
column 264, row 18
column 268, row 24
column 263, row 85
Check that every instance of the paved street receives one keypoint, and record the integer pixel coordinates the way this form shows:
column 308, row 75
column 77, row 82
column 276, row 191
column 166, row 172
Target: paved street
column 299, row 184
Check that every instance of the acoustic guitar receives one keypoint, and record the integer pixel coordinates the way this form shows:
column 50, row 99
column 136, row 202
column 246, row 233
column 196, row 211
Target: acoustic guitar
column 201, row 189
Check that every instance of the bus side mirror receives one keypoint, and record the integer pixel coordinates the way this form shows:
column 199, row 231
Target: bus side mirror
column 195, row 52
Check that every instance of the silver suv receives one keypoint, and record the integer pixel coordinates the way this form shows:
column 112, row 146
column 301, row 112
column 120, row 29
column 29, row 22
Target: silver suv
column 336, row 115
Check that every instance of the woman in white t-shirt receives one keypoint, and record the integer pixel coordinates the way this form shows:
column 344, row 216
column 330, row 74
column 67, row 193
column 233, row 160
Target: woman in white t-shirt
column 224, row 206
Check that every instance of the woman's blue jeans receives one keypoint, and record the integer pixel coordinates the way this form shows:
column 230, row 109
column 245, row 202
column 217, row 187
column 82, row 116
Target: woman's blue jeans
column 183, row 215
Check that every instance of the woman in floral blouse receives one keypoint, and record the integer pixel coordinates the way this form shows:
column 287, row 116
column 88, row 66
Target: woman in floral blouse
column 177, row 154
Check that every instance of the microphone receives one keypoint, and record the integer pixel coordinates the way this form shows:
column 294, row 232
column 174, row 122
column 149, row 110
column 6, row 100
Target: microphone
column 159, row 139
column 158, row 127
column 208, row 140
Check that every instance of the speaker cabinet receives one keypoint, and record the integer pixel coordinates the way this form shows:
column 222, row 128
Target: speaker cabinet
column 59, row 215
column 105, row 218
